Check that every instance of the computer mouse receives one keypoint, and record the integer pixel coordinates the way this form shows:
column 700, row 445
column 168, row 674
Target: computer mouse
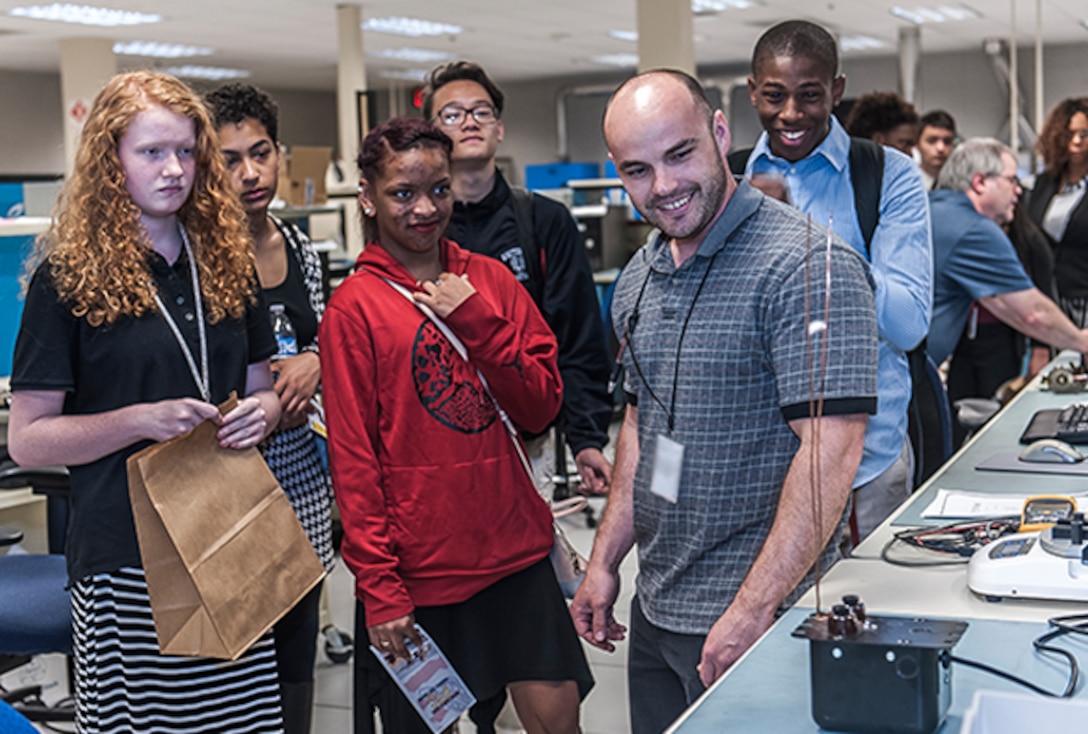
column 1051, row 451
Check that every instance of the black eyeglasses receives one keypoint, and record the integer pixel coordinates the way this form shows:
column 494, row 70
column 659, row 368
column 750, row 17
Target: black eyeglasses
column 1012, row 178
column 455, row 116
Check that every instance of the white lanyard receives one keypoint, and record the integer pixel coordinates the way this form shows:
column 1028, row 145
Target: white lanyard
column 200, row 378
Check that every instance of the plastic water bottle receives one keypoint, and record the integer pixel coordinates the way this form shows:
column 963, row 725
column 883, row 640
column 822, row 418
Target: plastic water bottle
column 286, row 339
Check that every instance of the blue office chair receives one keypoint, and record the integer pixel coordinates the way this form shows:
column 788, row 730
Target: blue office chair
column 12, row 722
column 35, row 611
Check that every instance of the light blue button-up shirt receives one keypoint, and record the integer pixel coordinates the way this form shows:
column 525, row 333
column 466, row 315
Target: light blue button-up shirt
column 901, row 258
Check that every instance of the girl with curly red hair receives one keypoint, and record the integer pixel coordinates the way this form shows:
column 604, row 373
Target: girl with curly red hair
column 142, row 314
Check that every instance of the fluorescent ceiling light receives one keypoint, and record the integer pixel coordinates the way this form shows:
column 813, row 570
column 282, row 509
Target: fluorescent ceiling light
column 413, row 55
column 158, row 50
column 921, row 14
column 622, row 60
column 860, row 43
column 624, row 35
column 705, row 7
column 958, row 12
column 414, row 27
column 212, row 73
column 83, row 14
column 907, row 15
column 408, row 75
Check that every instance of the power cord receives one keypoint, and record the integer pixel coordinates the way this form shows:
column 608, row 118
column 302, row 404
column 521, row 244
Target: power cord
column 956, row 542
column 1070, row 624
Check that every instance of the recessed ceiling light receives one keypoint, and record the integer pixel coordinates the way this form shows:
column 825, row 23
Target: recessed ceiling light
column 408, row 75
column 158, row 50
column 860, row 43
column 83, row 14
column 922, row 14
column 958, row 12
column 414, row 27
column 907, row 15
column 413, row 55
column 709, row 7
column 624, row 35
column 213, row 73
column 622, row 60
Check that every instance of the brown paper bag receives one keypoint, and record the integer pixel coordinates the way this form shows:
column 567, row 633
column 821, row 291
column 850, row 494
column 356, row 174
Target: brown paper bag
column 224, row 554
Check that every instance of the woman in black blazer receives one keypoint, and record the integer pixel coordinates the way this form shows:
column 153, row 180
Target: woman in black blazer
column 1058, row 203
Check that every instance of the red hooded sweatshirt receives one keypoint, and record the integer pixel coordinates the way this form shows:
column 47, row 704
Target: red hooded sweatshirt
column 435, row 503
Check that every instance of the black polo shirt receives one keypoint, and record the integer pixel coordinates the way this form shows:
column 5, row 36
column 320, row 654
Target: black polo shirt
column 133, row 360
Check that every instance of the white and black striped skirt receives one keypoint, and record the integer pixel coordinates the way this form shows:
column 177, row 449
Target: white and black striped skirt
column 123, row 684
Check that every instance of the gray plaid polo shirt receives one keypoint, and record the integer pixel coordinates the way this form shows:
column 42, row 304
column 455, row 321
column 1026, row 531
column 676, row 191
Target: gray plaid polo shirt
column 743, row 372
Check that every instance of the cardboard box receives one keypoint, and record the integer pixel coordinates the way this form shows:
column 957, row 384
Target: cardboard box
column 302, row 180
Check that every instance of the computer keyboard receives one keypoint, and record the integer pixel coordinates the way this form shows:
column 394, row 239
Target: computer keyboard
column 1071, row 425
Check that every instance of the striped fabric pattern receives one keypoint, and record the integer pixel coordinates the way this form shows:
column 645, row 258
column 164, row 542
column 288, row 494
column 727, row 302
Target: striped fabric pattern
column 125, row 685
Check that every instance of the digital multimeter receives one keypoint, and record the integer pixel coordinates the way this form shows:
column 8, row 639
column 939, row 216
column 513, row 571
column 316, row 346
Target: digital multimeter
column 1043, row 511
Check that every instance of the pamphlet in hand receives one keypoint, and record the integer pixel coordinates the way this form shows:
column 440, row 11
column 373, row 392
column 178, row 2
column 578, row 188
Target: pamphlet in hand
column 429, row 682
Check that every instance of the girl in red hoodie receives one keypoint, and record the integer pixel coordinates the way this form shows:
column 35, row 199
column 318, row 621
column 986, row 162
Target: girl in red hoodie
column 442, row 525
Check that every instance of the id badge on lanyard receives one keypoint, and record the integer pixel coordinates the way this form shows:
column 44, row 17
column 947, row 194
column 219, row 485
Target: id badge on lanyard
column 668, row 465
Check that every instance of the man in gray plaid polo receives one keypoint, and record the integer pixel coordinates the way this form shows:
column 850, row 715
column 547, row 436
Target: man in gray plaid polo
column 729, row 346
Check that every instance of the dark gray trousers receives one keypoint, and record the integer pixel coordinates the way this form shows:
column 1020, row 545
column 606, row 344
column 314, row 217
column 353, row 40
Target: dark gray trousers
column 661, row 677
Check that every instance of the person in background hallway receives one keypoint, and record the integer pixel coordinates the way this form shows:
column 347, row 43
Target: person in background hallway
column 1058, row 204
column 936, row 139
column 714, row 319
column 974, row 260
column 142, row 315
column 442, row 523
column 990, row 353
column 462, row 101
column 289, row 271
column 794, row 86
column 886, row 119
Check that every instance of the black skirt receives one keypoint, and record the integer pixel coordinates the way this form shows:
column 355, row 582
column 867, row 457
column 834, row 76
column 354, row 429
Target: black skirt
column 517, row 629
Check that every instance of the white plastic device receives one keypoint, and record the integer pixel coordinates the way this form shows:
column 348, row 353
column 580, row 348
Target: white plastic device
column 1030, row 565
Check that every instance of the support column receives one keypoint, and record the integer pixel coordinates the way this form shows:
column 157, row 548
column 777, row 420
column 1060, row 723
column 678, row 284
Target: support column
column 350, row 79
column 1014, row 86
column 666, row 35
column 85, row 65
column 910, row 43
column 1040, row 117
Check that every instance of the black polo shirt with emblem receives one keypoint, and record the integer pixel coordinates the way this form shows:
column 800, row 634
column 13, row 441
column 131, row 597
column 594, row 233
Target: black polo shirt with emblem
column 133, row 360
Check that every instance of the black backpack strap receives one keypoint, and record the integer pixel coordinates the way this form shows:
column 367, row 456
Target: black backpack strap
column 738, row 160
column 867, row 175
column 523, row 214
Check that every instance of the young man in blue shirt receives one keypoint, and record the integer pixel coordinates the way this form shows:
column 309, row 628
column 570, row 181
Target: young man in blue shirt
column 795, row 84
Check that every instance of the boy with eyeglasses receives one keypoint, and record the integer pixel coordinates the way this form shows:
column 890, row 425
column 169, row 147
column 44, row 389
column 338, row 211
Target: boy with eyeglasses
column 492, row 218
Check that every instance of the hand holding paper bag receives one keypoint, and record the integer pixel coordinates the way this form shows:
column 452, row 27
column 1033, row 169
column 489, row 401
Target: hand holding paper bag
column 224, row 553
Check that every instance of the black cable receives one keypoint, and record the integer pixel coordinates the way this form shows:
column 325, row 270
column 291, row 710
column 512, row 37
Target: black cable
column 1074, row 672
column 887, row 558
column 1062, row 627
column 959, row 539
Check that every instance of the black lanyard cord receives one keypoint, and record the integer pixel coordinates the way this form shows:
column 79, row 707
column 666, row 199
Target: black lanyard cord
column 670, row 412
